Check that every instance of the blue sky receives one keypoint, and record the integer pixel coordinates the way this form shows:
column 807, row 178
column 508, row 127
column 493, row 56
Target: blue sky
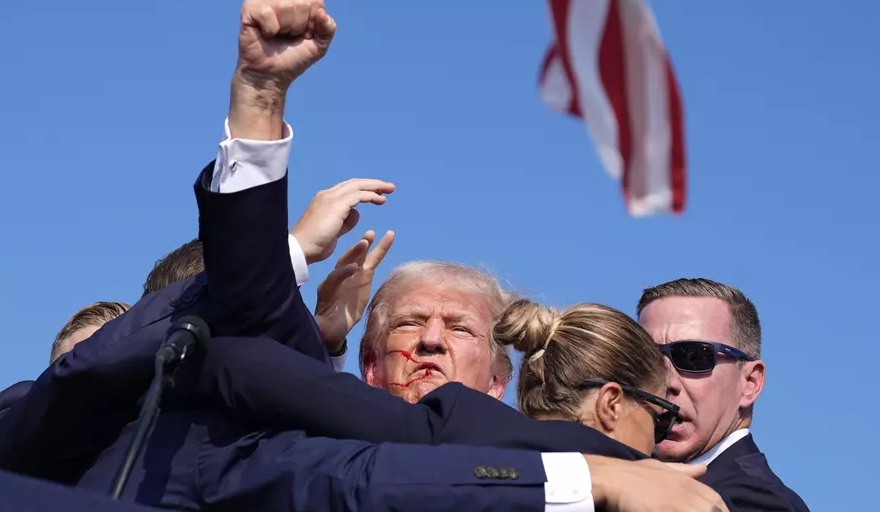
column 110, row 110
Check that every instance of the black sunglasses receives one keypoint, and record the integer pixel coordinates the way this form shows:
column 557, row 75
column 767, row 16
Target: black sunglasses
column 663, row 422
column 694, row 356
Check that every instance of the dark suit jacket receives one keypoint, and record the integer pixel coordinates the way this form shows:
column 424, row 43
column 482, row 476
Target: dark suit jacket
column 68, row 426
column 22, row 494
column 741, row 474
column 273, row 386
column 204, row 461
column 90, row 393
column 11, row 395
column 209, row 461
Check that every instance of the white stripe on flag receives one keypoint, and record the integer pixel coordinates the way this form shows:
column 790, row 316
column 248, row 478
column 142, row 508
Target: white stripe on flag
column 608, row 65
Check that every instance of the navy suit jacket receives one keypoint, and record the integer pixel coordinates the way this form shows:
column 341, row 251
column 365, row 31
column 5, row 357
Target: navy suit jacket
column 80, row 403
column 68, row 426
column 201, row 460
column 11, row 395
column 23, row 494
column 743, row 477
column 273, row 386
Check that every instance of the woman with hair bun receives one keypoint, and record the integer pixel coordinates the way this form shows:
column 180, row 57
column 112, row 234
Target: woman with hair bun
column 591, row 364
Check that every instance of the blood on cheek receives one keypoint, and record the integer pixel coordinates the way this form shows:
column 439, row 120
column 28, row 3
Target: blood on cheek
column 409, row 357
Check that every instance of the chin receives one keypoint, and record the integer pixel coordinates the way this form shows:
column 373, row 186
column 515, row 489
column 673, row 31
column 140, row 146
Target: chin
column 425, row 387
column 672, row 450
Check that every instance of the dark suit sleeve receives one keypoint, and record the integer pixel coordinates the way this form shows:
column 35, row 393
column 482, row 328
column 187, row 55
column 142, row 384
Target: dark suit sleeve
column 268, row 384
column 251, row 284
column 30, row 495
column 746, row 493
column 273, row 386
column 287, row 472
column 84, row 398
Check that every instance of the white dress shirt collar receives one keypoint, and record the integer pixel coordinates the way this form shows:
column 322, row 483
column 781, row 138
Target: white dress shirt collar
column 719, row 448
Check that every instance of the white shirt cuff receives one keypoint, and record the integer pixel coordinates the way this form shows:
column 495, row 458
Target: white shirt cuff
column 339, row 362
column 242, row 164
column 568, row 487
column 298, row 260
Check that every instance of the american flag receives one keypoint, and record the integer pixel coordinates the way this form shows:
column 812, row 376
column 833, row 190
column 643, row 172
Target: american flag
column 608, row 66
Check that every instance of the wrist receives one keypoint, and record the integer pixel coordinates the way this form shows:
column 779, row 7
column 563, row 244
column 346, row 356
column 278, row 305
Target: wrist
column 256, row 107
column 307, row 249
column 336, row 349
column 599, row 478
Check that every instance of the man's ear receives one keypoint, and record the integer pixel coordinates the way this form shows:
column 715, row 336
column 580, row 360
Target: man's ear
column 370, row 366
column 753, row 382
column 497, row 387
column 609, row 406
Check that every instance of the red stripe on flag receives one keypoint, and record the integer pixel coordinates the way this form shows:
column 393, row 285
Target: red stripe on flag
column 677, row 163
column 612, row 69
column 559, row 9
column 552, row 52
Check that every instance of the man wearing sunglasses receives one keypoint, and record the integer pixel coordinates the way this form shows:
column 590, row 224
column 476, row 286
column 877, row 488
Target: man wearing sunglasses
column 711, row 336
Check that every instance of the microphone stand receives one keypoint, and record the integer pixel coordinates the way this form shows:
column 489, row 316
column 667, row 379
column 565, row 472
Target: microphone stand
column 146, row 420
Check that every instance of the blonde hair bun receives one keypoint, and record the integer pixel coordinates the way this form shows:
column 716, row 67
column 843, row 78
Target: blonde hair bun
column 526, row 325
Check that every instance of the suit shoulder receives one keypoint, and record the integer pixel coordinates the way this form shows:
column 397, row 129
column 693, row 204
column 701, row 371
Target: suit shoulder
column 749, row 487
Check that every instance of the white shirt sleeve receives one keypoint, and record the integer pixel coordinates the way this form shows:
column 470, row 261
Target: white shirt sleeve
column 568, row 487
column 339, row 362
column 242, row 164
column 298, row 259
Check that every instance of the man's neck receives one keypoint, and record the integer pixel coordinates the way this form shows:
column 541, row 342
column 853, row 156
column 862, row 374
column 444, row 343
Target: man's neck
column 713, row 453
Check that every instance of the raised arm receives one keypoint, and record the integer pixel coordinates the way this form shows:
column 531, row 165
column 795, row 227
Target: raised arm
column 243, row 197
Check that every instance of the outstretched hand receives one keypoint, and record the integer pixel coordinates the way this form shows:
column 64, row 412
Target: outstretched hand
column 343, row 296
column 331, row 214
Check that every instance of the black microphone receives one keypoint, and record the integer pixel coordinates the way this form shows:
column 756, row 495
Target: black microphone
column 182, row 338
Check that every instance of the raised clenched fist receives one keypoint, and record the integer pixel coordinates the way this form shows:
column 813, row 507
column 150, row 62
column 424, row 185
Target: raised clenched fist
column 280, row 39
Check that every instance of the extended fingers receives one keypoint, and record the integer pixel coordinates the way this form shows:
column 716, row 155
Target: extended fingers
column 363, row 184
column 378, row 253
column 336, row 278
column 358, row 251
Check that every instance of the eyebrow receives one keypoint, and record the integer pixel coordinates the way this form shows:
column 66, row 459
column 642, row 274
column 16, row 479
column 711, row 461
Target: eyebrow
column 421, row 313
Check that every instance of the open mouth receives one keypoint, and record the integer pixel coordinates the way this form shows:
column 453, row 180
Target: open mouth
column 429, row 368
column 680, row 425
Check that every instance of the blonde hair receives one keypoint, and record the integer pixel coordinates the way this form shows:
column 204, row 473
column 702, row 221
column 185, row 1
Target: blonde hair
column 446, row 276
column 563, row 349
column 94, row 315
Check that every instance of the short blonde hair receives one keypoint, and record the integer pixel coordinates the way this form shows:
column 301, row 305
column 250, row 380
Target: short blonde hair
column 444, row 275
column 94, row 315
column 563, row 349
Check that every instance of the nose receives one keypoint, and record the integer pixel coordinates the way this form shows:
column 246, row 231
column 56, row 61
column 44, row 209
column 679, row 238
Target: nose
column 433, row 338
column 673, row 381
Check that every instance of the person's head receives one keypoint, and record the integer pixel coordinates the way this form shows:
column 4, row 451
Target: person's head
column 716, row 382
column 83, row 324
column 428, row 324
column 180, row 264
column 589, row 363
